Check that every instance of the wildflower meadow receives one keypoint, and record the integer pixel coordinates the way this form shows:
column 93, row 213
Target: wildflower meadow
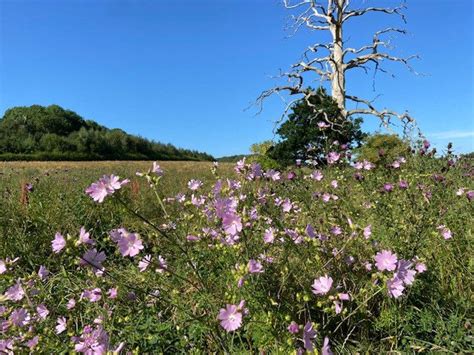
column 223, row 258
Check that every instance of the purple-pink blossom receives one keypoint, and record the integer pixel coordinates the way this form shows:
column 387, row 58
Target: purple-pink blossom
column 395, row 287
column 61, row 325
column 322, row 285
column 293, row 328
column 19, row 317
column 105, row 186
column 93, row 259
column 333, row 157
column 254, row 267
column 308, row 336
column 15, row 292
column 445, row 232
column 58, row 243
column 84, row 237
column 230, row 317
column 129, row 244
column 386, row 260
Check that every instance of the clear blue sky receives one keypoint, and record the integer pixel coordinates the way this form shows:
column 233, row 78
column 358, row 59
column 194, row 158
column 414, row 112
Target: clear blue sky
column 184, row 71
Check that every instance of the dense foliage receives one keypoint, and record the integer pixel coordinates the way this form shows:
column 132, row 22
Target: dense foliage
column 382, row 148
column 310, row 132
column 352, row 258
column 53, row 133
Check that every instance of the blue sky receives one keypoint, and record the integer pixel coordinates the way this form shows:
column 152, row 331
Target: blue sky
column 184, row 71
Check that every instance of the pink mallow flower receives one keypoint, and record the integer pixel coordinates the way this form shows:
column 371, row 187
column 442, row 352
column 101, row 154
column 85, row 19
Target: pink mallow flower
column 322, row 285
column 308, row 336
column 105, row 186
column 293, row 328
column 194, row 184
column 19, row 317
column 84, row 237
column 255, row 267
column 61, row 325
column 269, row 235
column 230, row 317
column 326, row 350
column 129, row 244
column 395, row 287
column 93, row 295
column 92, row 341
column 42, row 311
column 93, row 259
column 386, row 260
column 15, row 293
column 58, row 243
column 143, row 264
column 445, row 232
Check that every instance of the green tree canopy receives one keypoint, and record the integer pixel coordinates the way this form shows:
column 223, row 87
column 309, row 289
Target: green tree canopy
column 307, row 135
column 383, row 148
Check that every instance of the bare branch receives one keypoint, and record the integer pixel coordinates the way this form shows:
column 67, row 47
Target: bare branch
column 360, row 12
column 385, row 115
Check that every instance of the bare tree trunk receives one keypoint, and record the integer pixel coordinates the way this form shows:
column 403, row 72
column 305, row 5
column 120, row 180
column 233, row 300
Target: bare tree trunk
column 338, row 80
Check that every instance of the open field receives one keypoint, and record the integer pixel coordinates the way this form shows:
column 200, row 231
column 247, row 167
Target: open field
column 377, row 259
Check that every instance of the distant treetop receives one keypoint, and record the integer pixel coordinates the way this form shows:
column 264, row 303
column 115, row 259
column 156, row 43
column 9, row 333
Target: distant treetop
column 53, row 133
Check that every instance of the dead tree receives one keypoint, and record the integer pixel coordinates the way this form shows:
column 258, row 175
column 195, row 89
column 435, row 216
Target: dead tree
column 331, row 61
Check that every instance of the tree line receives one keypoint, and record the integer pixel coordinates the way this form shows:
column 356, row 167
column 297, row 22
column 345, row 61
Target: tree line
column 54, row 133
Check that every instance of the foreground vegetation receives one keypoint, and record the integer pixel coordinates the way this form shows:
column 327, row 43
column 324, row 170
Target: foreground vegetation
column 347, row 258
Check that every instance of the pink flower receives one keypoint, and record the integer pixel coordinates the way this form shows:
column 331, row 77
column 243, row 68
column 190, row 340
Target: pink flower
column 93, row 259
column 143, row 264
column 333, row 157
column 269, row 236
column 445, row 232
column 326, row 350
column 42, row 311
column 19, row 317
column 32, row 343
column 322, row 285
column 58, row 243
column 71, row 303
column 273, row 175
column 93, row 295
column 254, row 266
column 84, row 237
column 367, row 231
column 130, row 244
column 93, row 341
column 420, row 267
column 105, row 186
column 43, row 272
column 308, row 335
column 162, row 264
column 15, row 293
column 194, row 184
column 386, row 260
column 230, row 317
column 61, row 325
column 156, row 169
column 112, row 293
column 395, row 287
column 293, row 328
column 232, row 224
column 317, row 175
column 3, row 267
